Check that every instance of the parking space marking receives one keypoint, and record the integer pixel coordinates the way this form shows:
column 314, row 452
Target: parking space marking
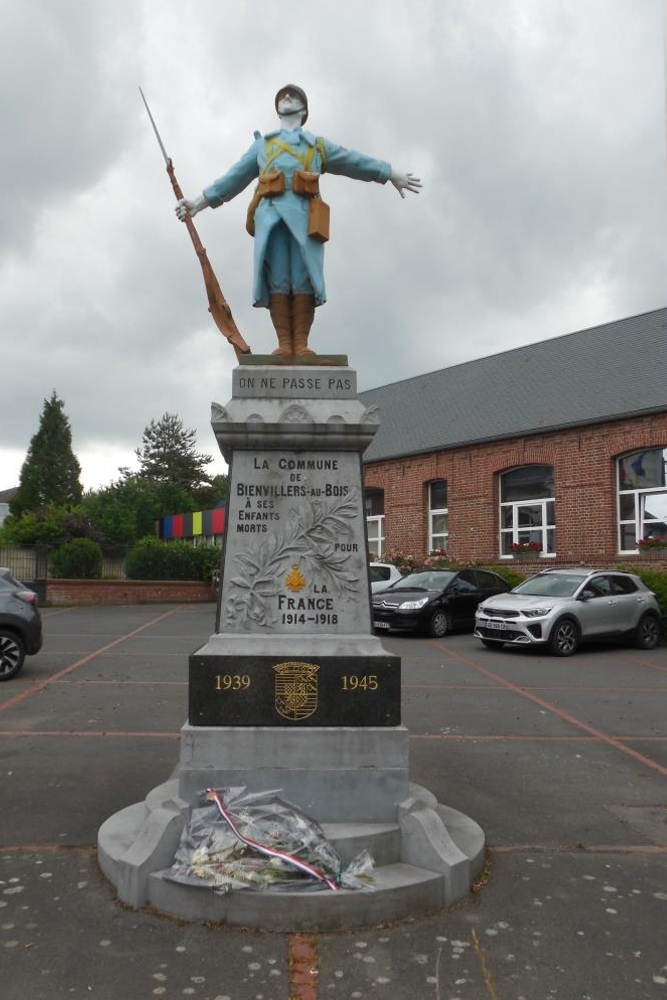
column 486, row 972
column 40, row 685
column 95, row 682
column 96, row 733
column 537, row 738
column 578, row 849
column 303, row 962
column 558, row 712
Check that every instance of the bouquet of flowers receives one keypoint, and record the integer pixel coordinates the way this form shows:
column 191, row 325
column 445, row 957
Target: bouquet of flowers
column 244, row 840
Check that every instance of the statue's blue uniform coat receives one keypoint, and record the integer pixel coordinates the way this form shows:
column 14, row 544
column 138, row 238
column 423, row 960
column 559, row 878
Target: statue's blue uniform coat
column 290, row 208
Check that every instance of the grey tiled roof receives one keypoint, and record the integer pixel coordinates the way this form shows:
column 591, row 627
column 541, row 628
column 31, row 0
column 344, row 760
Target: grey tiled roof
column 605, row 373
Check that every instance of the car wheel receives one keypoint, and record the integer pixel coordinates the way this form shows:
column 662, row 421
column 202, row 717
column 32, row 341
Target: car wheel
column 647, row 633
column 12, row 655
column 439, row 624
column 564, row 639
column 490, row 644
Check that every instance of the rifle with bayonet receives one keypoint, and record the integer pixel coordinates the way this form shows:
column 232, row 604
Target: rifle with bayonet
column 217, row 304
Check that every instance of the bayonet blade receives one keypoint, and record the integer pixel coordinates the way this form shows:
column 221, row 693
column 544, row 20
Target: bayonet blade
column 157, row 134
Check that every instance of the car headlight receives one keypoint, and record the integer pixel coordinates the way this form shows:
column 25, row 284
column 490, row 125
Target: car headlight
column 413, row 605
column 535, row 612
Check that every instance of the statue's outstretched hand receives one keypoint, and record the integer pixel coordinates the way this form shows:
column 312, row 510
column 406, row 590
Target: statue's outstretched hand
column 405, row 182
column 185, row 207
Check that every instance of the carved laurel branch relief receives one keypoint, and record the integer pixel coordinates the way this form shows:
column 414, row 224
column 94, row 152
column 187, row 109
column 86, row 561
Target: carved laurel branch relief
column 309, row 542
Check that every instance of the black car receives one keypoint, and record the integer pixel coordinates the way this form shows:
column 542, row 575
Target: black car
column 435, row 601
column 20, row 625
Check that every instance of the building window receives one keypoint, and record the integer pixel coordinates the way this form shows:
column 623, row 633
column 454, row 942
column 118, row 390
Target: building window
column 374, row 508
column 527, row 510
column 375, row 528
column 438, row 535
column 642, row 497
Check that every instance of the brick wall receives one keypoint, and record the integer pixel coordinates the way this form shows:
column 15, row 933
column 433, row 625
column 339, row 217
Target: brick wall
column 584, row 462
column 65, row 592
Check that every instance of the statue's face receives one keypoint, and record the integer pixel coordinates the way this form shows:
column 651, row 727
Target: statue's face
column 289, row 103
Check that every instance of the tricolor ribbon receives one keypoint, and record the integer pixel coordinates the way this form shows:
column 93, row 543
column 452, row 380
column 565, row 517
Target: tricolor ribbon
column 269, row 852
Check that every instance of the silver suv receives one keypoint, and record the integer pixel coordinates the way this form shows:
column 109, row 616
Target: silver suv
column 560, row 607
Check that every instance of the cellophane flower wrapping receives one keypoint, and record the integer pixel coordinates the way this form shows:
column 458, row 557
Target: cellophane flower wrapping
column 210, row 854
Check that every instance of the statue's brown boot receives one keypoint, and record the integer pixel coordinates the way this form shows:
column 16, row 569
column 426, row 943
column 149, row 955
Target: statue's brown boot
column 303, row 313
column 280, row 308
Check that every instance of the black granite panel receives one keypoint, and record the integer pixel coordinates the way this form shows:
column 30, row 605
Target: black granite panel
column 274, row 691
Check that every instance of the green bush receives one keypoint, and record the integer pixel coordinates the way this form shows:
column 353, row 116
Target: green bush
column 152, row 559
column 655, row 580
column 511, row 575
column 80, row 559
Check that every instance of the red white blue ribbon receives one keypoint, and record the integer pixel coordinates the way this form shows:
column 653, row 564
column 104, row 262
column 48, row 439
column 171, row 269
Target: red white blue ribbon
column 269, row 852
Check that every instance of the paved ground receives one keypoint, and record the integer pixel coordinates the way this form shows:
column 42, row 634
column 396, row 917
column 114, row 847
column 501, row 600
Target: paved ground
column 562, row 762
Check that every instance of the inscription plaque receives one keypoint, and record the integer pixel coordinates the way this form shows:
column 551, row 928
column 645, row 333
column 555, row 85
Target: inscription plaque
column 295, row 559
column 272, row 691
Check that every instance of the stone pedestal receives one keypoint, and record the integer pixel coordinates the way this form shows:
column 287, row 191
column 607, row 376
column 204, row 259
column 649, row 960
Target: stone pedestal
column 293, row 691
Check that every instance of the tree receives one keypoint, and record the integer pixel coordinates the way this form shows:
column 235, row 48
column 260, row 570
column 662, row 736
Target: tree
column 51, row 471
column 49, row 525
column 207, row 497
column 168, row 455
column 127, row 510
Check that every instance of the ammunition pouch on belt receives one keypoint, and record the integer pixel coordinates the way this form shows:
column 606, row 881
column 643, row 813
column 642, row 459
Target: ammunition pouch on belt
column 304, row 183
column 269, row 185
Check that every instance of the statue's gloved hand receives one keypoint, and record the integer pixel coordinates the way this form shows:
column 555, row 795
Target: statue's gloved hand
column 185, row 207
column 405, row 182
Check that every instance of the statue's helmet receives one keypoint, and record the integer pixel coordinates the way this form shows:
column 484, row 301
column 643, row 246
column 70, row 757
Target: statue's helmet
column 291, row 88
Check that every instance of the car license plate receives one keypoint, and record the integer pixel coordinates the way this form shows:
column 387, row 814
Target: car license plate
column 380, row 625
column 496, row 625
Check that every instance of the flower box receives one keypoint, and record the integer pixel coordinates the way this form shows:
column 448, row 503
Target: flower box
column 655, row 546
column 526, row 550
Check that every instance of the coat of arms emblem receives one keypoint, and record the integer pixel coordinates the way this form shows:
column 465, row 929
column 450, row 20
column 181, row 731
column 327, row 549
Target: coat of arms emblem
column 296, row 690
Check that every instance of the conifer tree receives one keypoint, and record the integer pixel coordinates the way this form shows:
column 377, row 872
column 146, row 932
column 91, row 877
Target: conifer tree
column 51, row 471
column 168, row 454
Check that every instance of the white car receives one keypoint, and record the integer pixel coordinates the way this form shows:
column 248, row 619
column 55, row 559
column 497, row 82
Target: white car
column 382, row 576
column 560, row 608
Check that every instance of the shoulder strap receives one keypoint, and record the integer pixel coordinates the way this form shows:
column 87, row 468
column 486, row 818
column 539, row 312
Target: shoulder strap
column 274, row 147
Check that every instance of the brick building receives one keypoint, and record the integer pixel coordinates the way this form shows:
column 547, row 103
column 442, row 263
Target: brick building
column 563, row 442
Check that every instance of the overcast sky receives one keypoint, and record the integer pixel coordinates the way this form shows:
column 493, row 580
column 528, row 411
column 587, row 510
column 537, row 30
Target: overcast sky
column 537, row 127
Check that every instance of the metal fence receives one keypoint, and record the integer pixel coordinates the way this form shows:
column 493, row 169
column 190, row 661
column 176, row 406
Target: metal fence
column 31, row 563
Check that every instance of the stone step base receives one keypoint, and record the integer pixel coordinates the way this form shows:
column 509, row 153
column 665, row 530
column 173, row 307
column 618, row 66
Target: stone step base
column 399, row 891
column 428, row 859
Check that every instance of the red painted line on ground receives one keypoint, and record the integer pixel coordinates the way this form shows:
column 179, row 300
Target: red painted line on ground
column 630, row 689
column 560, row 713
column 646, row 663
column 303, row 964
column 97, row 733
column 579, row 849
column 535, row 739
column 47, row 848
column 40, row 685
column 483, row 736
column 95, row 683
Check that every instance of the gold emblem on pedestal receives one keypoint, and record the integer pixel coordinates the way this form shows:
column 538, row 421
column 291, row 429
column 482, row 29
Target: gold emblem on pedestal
column 295, row 580
column 295, row 690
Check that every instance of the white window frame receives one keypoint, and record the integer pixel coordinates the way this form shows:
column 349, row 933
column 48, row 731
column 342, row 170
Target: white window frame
column 526, row 533
column 437, row 539
column 642, row 525
column 375, row 533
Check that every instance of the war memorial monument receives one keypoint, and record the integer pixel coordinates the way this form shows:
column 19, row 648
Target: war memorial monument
column 293, row 693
